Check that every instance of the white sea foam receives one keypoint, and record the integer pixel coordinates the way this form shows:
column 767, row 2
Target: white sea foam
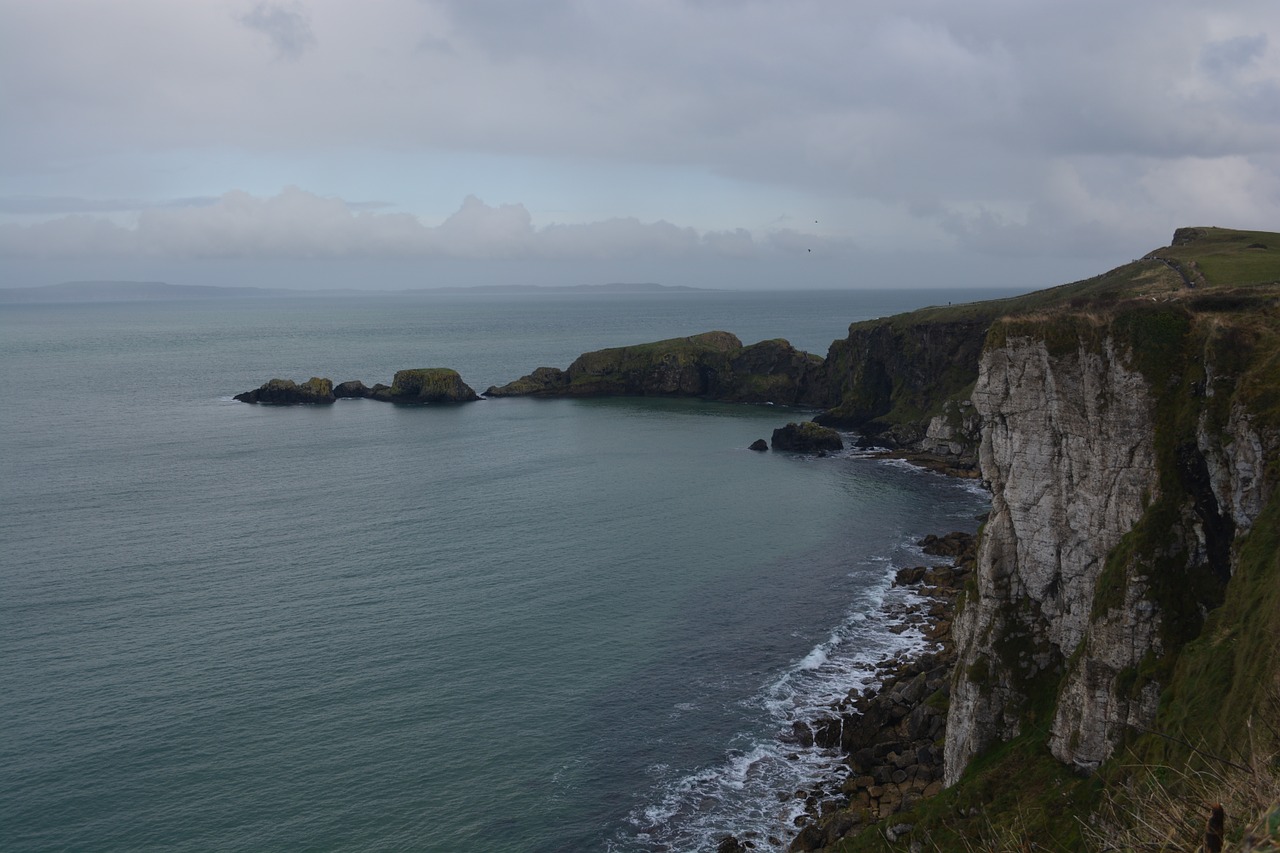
column 745, row 793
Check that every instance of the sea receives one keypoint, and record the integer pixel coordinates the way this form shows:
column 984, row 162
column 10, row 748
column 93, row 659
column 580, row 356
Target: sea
column 511, row 625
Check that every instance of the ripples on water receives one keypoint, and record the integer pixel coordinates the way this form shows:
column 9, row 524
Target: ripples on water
column 509, row 626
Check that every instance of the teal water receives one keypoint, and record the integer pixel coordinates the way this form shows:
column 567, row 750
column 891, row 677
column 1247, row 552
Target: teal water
column 514, row 625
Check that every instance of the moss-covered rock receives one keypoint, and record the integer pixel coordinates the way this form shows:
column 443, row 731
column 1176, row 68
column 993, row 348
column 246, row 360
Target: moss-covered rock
column 806, row 437
column 286, row 392
column 425, row 385
column 712, row 365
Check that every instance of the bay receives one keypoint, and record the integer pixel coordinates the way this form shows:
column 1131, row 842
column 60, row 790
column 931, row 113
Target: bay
column 514, row 625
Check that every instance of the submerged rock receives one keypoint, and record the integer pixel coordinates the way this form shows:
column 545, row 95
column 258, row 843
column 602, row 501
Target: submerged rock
column 286, row 392
column 806, row 437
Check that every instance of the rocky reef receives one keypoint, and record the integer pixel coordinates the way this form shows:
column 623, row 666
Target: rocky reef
column 712, row 365
column 424, row 385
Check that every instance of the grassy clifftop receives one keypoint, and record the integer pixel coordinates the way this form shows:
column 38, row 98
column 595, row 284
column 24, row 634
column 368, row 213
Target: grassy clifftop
column 890, row 376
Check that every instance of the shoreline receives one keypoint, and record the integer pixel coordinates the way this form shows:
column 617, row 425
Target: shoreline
column 886, row 735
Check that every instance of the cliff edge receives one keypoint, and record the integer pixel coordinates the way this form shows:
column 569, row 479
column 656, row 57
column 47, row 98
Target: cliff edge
column 1121, row 630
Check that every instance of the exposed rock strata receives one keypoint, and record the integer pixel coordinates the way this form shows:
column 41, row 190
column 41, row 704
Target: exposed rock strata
column 1068, row 450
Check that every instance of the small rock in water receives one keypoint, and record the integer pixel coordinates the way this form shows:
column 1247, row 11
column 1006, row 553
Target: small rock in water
column 759, row 444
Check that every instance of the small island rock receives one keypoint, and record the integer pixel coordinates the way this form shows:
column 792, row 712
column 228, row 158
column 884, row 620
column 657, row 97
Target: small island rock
column 759, row 444
column 425, row 385
column 806, row 437
column 286, row 392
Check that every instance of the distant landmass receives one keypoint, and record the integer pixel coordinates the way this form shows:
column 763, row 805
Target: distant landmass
column 137, row 291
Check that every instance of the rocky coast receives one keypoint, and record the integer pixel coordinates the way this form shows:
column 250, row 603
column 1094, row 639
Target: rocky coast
column 1116, row 624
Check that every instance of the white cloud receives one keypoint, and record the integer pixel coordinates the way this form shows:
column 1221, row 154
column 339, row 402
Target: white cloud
column 300, row 224
column 285, row 25
column 993, row 126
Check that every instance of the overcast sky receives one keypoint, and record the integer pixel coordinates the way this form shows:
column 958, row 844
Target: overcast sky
column 790, row 143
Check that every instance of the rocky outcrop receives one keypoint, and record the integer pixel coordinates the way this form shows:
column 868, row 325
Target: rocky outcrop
column 430, row 385
column 425, row 385
column 806, row 437
column 893, row 378
column 713, row 365
column 286, row 392
column 353, row 389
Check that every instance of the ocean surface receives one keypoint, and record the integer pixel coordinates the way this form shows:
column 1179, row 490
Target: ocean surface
column 512, row 625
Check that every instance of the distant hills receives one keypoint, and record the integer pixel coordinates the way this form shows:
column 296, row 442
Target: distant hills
column 138, row 291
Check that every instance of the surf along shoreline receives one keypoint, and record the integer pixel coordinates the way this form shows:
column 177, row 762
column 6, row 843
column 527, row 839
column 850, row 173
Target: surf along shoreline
column 887, row 734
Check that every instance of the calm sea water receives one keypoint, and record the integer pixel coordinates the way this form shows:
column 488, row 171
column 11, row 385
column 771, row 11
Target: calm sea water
column 514, row 625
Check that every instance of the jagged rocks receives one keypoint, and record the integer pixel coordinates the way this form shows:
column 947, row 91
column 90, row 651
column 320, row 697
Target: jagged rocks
column 806, row 437
column 891, row 734
column 286, row 392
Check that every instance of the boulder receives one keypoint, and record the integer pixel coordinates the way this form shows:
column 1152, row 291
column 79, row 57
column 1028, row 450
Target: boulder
column 286, row 392
column 759, row 444
column 351, row 389
column 806, row 437
column 425, row 385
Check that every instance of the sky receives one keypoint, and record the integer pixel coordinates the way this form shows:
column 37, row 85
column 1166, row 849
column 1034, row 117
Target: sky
column 717, row 143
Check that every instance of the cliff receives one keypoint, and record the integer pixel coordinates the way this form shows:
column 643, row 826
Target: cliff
column 1124, row 611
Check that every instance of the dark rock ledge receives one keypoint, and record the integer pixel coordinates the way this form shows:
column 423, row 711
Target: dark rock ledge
column 424, row 385
column 890, row 735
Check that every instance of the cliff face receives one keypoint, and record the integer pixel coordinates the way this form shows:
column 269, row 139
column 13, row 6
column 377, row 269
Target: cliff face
column 1067, row 447
column 893, row 379
column 1125, row 461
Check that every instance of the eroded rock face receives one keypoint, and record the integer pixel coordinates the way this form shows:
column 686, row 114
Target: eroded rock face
column 806, row 437
column 1067, row 447
column 286, row 392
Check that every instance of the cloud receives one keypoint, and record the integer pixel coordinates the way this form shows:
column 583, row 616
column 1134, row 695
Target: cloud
column 286, row 26
column 299, row 224
column 52, row 205
column 993, row 126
